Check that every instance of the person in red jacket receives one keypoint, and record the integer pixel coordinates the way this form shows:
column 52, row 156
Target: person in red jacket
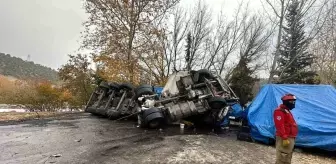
column 286, row 129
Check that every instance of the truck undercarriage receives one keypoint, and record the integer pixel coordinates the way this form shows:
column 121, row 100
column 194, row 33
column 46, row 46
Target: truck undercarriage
column 195, row 96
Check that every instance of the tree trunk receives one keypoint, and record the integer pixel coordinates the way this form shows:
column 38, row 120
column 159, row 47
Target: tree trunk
column 276, row 55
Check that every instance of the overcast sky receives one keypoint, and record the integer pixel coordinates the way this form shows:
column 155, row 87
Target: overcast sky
column 48, row 30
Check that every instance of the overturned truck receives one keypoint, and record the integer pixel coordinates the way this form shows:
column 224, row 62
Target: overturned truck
column 196, row 96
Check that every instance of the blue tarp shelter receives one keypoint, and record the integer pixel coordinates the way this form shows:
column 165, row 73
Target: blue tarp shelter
column 315, row 114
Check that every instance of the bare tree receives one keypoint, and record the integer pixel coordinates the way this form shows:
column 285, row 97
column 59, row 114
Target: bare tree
column 216, row 42
column 200, row 28
column 252, row 48
column 174, row 41
column 235, row 35
column 170, row 43
column 254, row 45
column 229, row 36
column 324, row 47
column 224, row 40
column 279, row 8
column 120, row 29
column 256, row 41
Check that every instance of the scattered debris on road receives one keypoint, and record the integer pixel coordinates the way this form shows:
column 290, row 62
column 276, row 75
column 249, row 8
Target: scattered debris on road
column 120, row 142
column 78, row 140
column 57, row 155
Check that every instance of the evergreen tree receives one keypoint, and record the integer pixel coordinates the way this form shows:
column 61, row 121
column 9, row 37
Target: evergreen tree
column 242, row 81
column 188, row 47
column 294, row 60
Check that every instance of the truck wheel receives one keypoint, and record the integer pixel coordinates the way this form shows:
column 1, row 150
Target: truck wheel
column 143, row 90
column 153, row 118
column 113, row 86
column 127, row 86
column 217, row 102
column 144, row 86
column 104, row 84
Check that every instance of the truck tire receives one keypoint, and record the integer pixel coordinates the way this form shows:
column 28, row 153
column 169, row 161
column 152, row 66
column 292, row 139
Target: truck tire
column 143, row 90
column 127, row 86
column 113, row 86
column 153, row 118
column 104, row 84
column 217, row 102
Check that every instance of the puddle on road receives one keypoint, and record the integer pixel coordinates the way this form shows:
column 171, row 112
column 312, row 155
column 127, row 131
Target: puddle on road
column 46, row 123
column 176, row 130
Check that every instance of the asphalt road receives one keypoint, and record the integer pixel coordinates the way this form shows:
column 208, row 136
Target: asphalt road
column 83, row 138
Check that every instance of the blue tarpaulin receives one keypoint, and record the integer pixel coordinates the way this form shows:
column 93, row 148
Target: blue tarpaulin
column 315, row 114
column 158, row 90
column 237, row 112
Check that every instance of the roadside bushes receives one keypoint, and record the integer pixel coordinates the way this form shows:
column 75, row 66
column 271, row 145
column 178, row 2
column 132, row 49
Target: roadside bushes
column 35, row 95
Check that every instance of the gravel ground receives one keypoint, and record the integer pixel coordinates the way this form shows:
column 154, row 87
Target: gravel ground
column 83, row 138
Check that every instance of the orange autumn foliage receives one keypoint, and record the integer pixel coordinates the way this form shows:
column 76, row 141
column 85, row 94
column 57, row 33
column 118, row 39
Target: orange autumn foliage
column 122, row 32
column 117, row 70
column 33, row 94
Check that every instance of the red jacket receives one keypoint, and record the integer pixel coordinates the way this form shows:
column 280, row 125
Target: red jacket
column 284, row 123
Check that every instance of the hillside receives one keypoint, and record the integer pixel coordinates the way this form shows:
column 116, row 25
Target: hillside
column 18, row 68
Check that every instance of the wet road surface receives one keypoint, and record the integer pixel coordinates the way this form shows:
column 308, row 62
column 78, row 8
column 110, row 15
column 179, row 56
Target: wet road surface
column 83, row 138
